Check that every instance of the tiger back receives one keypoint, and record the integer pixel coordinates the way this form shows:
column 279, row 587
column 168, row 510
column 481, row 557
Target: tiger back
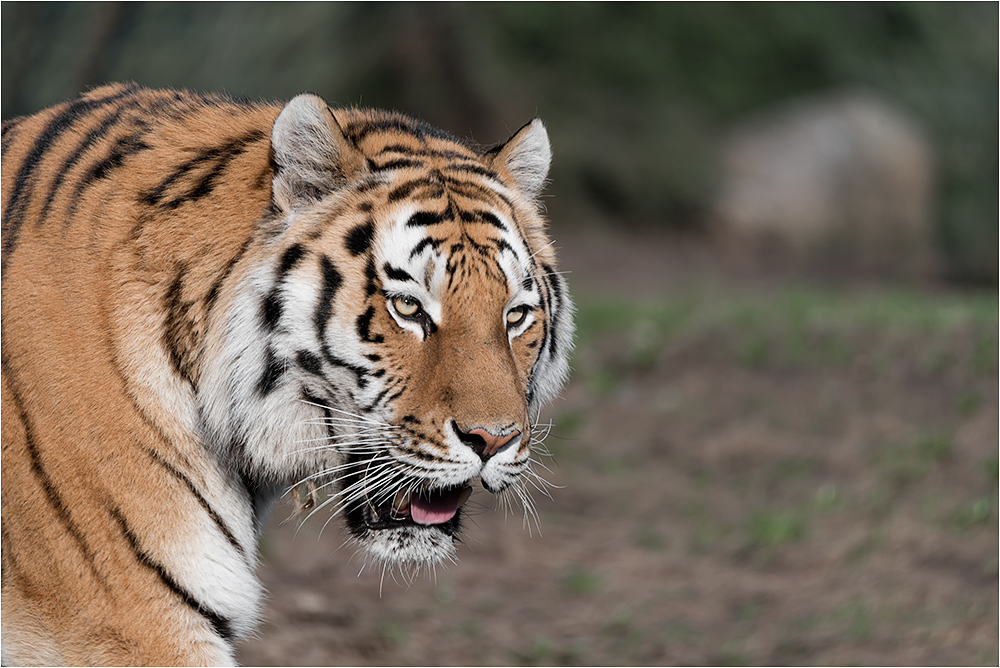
column 208, row 302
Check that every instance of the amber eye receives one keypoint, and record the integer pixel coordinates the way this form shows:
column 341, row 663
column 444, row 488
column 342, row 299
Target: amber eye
column 408, row 307
column 516, row 316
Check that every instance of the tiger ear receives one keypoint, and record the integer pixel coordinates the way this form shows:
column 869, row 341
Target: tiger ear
column 311, row 156
column 525, row 158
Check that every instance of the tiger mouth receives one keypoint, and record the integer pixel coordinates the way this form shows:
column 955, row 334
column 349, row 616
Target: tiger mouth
column 438, row 508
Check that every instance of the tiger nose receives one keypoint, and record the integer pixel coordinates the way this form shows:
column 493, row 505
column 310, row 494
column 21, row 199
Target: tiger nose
column 484, row 443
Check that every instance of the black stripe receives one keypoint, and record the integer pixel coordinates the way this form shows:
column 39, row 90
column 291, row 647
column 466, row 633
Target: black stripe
column 364, row 323
column 309, row 362
column 222, row 154
column 360, row 238
column 555, row 304
column 367, row 184
column 548, row 330
column 360, row 373
column 213, row 292
column 13, row 215
column 371, row 285
column 289, row 259
column 377, row 399
column 176, row 330
column 11, row 562
column 202, row 501
column 359, row 129
column 382, row 395
column 479, row 191
column 502, row 245
column 490, row 219
column 399, row 163
column 484, row 217
column 272, row 306
column 543, row 295
column 403, row 191
column 221, row 625
column 424, row 243
column 274, row 369
column 271, row 309
column 122, row 148
column 405, row 150
column 424, row 219
column 474, row 169
column 423, row 151
column 396, row 274
column 206, row 185
column 51, row 493
column 9, row 135
column 110, row 121
column 331, row 283
column 9, row 125
column 382, row 399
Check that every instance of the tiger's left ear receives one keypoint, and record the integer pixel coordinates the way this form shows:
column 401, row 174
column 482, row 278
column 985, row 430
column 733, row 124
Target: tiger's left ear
column 525, row 158
column 311, row 156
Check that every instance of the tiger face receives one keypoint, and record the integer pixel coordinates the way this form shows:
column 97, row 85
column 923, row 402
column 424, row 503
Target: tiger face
column 400, row 329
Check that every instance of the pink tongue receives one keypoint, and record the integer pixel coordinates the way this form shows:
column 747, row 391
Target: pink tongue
column 438, row 509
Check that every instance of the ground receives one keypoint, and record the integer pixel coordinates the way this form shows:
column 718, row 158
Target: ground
column 752, row 469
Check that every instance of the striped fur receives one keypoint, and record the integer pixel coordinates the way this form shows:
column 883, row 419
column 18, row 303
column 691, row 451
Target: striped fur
column 208, row 301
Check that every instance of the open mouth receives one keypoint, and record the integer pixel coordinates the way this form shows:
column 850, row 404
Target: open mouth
column 438, row 508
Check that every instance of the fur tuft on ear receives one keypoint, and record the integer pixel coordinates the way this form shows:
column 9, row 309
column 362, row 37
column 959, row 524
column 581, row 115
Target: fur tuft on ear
column 525, row 158
column 311, row 155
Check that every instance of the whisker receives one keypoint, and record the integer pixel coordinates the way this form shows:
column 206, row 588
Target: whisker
column 360, row 418
column 362, row 439
column 541, row 249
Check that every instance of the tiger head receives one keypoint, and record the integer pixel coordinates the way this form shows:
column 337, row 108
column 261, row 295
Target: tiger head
column 395, row 330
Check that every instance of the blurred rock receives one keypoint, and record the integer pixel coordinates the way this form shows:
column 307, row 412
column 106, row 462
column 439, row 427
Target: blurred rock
column 835, row 182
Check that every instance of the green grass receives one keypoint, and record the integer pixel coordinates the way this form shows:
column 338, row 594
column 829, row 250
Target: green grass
column 991, row 467
column 814, row 327
column 978, row 511
column 904, row 464
column 579, row 582
column 771, row 529
column 393, row 634
column 649, row 538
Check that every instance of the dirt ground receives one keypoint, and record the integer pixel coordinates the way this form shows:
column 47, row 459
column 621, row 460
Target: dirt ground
column 764, row 474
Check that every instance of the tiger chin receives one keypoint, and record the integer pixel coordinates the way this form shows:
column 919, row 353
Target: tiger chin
column 208, row 302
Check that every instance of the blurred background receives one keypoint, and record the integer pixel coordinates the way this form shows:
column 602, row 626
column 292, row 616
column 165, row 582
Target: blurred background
column 780, row 222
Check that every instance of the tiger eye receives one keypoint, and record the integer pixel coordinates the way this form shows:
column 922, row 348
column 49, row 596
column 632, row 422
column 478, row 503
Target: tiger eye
column 406, row 306
column 516, row 315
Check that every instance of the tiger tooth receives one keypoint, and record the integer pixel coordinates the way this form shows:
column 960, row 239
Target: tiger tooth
column 464, row 496
column 401, row 504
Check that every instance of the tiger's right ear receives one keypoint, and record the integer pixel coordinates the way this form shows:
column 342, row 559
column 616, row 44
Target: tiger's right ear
column 310, row 156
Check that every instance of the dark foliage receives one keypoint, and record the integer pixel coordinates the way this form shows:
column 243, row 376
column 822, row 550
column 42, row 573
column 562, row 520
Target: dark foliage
column 635, row 95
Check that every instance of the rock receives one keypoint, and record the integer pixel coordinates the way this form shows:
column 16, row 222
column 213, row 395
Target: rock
column 839, row 181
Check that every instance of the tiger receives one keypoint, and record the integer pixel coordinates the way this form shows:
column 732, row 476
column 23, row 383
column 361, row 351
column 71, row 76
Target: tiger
column 209, row 301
